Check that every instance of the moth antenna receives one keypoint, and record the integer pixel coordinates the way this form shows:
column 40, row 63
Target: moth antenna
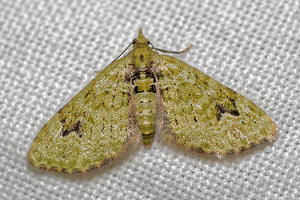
column 152, row 46
column 174, row 52
column 122, row 52
column 117, row 56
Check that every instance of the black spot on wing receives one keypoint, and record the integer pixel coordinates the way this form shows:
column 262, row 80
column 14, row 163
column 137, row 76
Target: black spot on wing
column 221, row 109
column 75, row 128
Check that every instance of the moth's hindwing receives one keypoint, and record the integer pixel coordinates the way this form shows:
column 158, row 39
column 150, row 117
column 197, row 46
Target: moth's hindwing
column 206, row 116
column 93, row 128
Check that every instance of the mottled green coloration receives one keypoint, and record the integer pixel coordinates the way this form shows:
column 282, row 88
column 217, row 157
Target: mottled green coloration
column 205, row 115
column 91, row 129
column 141, row 94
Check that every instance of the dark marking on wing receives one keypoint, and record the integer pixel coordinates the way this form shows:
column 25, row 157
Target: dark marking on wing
column 221, row 110
column 87, row 93
column 195, row 119
column 233, row 102
column 75, row 128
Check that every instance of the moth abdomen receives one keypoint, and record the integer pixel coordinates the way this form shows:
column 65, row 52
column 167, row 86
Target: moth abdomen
column 144, row 91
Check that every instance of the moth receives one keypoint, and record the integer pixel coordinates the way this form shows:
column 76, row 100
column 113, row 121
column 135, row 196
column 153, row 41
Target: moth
column 138, row 95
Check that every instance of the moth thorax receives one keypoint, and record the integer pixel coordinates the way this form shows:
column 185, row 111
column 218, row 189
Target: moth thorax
column 142, row 57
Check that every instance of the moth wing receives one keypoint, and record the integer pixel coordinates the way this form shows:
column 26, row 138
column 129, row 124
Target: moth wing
column 93, row 128
column 203, row 115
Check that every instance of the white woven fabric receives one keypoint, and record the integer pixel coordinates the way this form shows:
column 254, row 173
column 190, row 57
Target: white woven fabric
column 49, row 51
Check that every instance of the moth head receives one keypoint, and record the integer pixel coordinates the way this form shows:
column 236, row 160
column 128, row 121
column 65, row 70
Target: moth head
column 141, row 40
column 142, row 52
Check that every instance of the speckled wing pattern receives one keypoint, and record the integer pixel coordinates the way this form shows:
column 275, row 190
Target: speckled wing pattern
column 138, row 95
column 203, row 115
column 93, row 128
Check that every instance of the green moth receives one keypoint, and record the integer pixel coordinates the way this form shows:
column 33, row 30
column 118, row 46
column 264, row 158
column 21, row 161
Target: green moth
column 138, row 95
